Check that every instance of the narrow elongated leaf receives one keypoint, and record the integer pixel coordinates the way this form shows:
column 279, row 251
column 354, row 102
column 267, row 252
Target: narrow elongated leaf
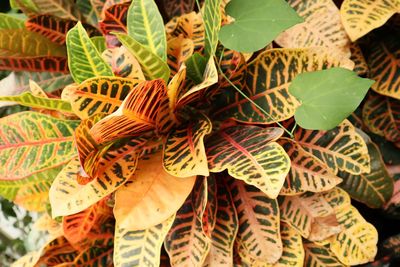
column 341, row 148
column 249, row 154
column 320, row 256
column 307, row 172
column 186, row 242
column 325, row 102
column 381, row 116
column 29, row 100
column 362, row 16
column 373, row 189
column 67, row 196
column 55, row 28
column 60, row 8
column 267, row 84
column 151, row 195
column 132, row 119
column 310, row 215
column 140, row 247
column 48, row 81
column 153, row 67
column 184, row 151
column 146, row 26
column 83, row 58
column 8, row 22
column 316, row 30
column 212, row 25
column 259, row 230
column 40, row 63
column 267, row 18
column 123, row 63
column 42, row 141
column 226, row 228
column 98, row 95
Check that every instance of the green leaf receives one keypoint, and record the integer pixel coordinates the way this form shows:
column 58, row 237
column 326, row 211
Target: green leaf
column 256, row 23
column 9, row 22
column 100, row 43
column 30, row 100
column 146, row 26
column 195, row 66
column 212, row 25
column 153, row 66
column 327, row 97
column 84, row 60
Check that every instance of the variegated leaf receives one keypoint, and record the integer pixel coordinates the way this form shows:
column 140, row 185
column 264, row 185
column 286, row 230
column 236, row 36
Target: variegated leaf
column 179, row 49
column 316, row 30
column 92, row 256
column 28, row 260
column 61, row 8
column 123, row 63
column 362, row 16
column 337, row 198
column 67, row 196
column 8, row 22
column 177, row 8
column 153, row 67
column 259, row 230
column 83, row 58
column 381, row 115
column 373, row 189
column 146, row 26
column 307, row 172
column 150, row 196
column 341, row 148
column 212, row 23
column 131, row 118
column 114, row 21
column 186, row 242
column 57, row 251
column 98, row 95
column 357, row 56
column 249, row 154
column 184, row 152
column 42, row 141
column 267, row 81
column 140, row 247
column 319, row 256
column 310, row 215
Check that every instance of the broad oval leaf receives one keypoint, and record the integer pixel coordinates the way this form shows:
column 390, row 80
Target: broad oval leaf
column 320, row 256
column 341, row 148
column 267, row 84
column 83, row 58
column 362, row 16
column 249, row 154
column 146, row 26
column 327, row 97
column 32, row 142
column 153, row 66
column 140, row 247
column 184, row 152
column 381, row 115
column 67, row 196
column 150, row 196
column 307, row 172
column 98, row 95
column 266, row 18
column 259, row 222
column 374, row 188
column 316, row 30
column 123, row 63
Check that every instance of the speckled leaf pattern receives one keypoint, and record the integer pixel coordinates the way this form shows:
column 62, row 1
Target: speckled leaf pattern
column 146, row 26
column 98, row 95
column 83, row 58
column 307, row 172
column 178, row 51
column 151, row 195
column 373, row 189
column 123, row 63
column 249, row 154
column 341, row 148
column 258, row 215
column 319, row 256
column 184, row 151
column 316, row 30
column 140, row 247
column 381, row 115
column 362, row 16
column 310, row 215
column 267, row 82
column 43, row 141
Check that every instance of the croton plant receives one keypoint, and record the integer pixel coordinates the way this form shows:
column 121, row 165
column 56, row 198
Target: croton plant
column 201, row 133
